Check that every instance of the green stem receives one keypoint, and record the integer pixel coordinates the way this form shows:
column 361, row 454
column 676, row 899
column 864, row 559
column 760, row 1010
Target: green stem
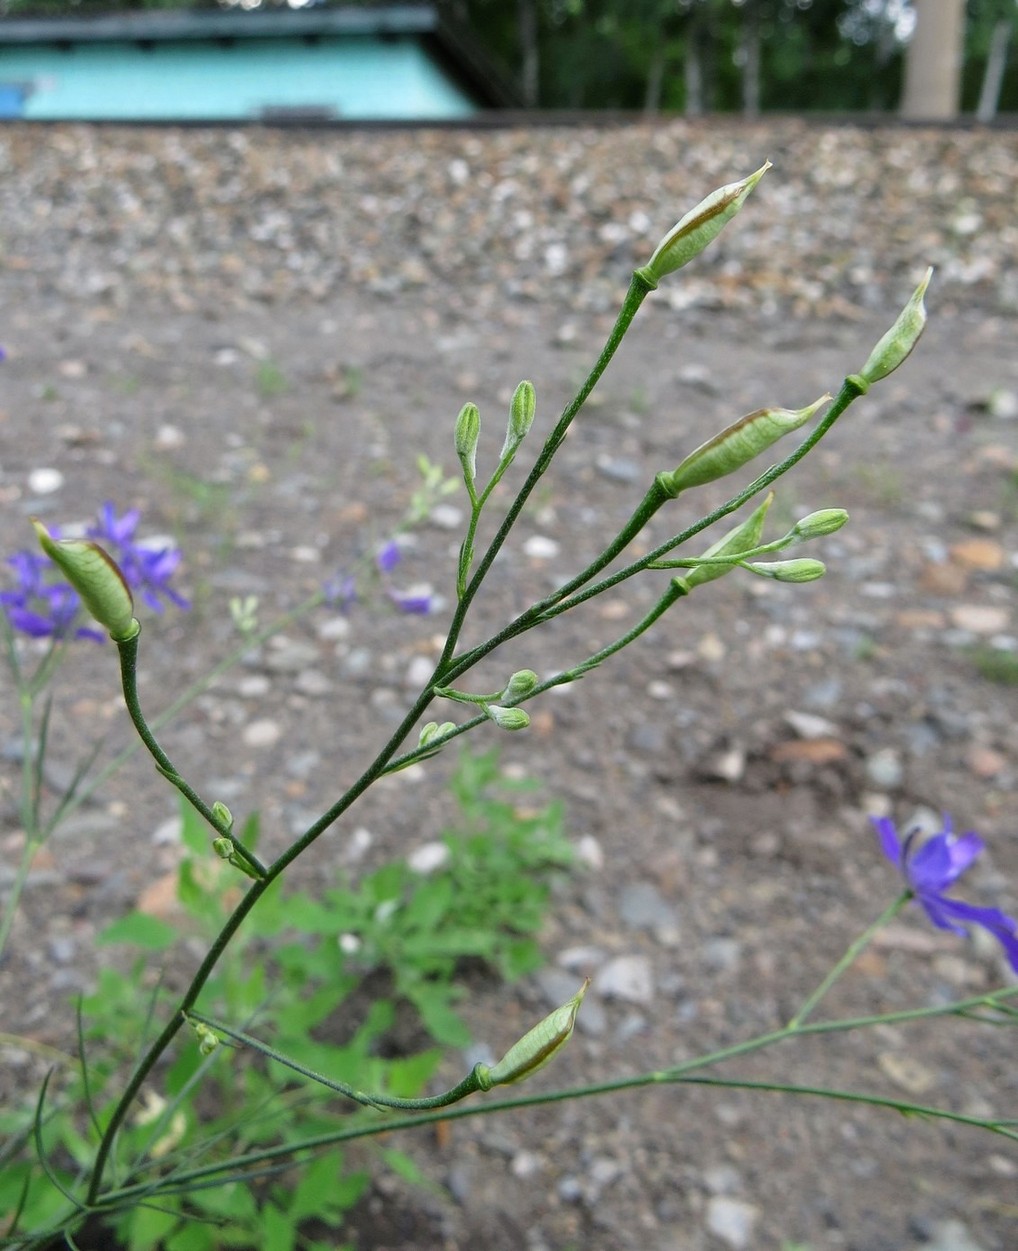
column 129, row 676
column 553, row 606
column 851, row 954
column 468, row 1086
column 678, row 1075
column 638, row 291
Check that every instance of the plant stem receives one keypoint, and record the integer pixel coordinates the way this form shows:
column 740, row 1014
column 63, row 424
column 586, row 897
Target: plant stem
column 851, row 954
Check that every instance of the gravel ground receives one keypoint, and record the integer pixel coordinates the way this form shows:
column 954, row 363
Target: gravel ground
column 251, row 335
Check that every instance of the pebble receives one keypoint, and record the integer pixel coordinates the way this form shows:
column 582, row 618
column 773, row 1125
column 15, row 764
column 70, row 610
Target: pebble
column 262, row 733
column 981, row 619
column 428, row 857
column 540, row 547
column 313, row 682
column 732, row 1220
column 642, row 907
column 952, row 1235
column 45, row 481
column 253, row 686
column 885, row 769
column 446, row 517
column 628, row 978
column 589, row 852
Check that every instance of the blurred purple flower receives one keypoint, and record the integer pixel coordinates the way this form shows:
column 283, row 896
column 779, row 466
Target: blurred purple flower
column 935, row 865
column 146, row 568
column 388, row 557
column 412, row 601
column 340, row 591
column 39, row 608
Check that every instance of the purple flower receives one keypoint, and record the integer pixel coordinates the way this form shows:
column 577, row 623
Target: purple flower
column 146, row 567
column 932, row 868
column 39, row 608
column 415, row 601
column 388, row 557
column 340, row 591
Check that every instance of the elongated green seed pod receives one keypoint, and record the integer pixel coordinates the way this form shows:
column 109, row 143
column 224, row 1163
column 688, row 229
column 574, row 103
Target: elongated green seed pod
column 737, row 444
column 97, row 579
column 699, row 227
column 535, row 1048
column 741, row 538
column 902, row 337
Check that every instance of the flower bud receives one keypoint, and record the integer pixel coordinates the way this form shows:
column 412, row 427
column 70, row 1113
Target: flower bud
column 507, row 718
column 816, row 525
column 468, row 430
column 223, row 847
column 433, row 730
column 520, row 684
column 535, row 1048
column 700, row 226
column 223, row 815
column 96, row 578
column 521, row 417
column 736, row 445
column 802, row 570
column 901, row 338
column 208, row 1040
column 742, row 538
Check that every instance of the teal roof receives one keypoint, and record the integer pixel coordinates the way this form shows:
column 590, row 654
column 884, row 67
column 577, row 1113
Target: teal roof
column 396, row 63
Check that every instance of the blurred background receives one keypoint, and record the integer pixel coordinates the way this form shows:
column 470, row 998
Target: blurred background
column 921, row 59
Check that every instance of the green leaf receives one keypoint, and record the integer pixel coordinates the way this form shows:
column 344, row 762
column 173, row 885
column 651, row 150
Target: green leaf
column 439, row 1020
column 147, row 1227
column 194, row 1237
column 278, row 1231
column 141, row 930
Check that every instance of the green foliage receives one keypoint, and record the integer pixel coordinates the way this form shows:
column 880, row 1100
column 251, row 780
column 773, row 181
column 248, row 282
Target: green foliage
column 344, row 970
column 996, row 665
column 269, row 379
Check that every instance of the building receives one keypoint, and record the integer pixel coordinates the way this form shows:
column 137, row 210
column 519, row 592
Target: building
column 390, row 63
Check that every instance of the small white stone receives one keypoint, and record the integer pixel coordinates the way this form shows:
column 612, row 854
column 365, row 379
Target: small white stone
column 446, row 517
column 306, row 555
column 168, row 438
column 540, row 547
column 590, row 852
column 334, row 629
column 45, row 481
column 626, row 977
column 418, row 672
column 732, row 1220
column 261, row 733
column 428, row 857
column 253, row 686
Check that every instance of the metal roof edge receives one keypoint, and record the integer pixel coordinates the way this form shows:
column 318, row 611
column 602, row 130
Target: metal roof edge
column 187, row 24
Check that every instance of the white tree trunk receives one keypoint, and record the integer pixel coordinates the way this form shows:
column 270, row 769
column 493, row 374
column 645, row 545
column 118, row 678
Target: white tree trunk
column 933, row 61
column 993, row 78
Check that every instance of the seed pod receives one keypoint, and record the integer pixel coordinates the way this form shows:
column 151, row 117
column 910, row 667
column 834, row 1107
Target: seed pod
column 535, row 1048
column 97, row 579
column 902, row 337
column 742, row 538
column 700, row 226
column 737, row 444
column 521, row 417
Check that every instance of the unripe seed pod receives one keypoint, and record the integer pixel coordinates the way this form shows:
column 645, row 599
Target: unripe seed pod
column 902, row 337
column 737, row 444
column 97, row 579
column 742, row 538
column 535, row 1048
column 700, row 226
